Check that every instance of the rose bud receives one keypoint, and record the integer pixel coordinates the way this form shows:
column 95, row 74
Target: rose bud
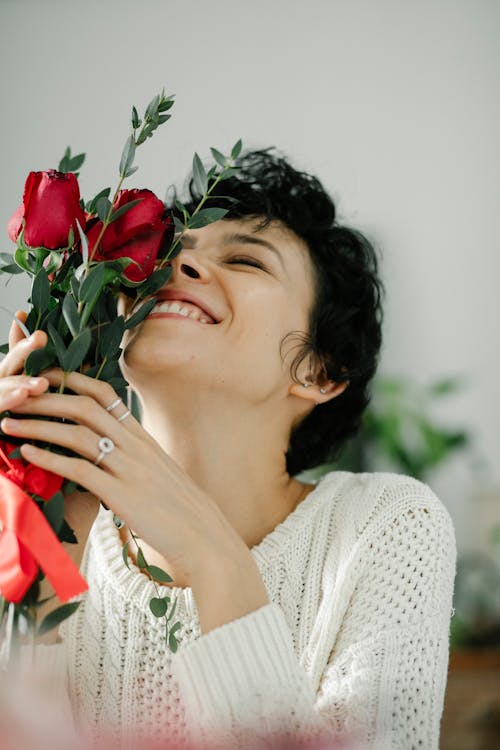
column 141, row 233
column 51, row 206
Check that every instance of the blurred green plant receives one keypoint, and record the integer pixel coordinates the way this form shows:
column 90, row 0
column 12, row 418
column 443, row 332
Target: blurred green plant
column 398, row 432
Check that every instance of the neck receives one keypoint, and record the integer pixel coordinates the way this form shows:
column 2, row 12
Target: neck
column 225, row 450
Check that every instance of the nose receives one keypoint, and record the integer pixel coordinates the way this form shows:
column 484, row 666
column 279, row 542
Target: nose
column 189, row 263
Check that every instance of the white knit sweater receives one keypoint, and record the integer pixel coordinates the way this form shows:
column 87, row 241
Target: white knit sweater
column 355, row 639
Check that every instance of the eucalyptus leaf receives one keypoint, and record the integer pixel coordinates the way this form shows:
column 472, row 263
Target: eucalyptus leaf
column 53, row 511
column 159, row 574
column 219, row 157
column 111, row 336
column 76, row 162
column 93, row 284
column 76, row 351
column 85, row 244
column 141, row 562
column 58, row 344
column 206, row 216
column 236, row 150
column 40, row 291
column 125, row 553
column 158, row 606
column 40, row 359
column 123, row 209
column 131, row 171
column 199, row 175
column 179, row 225
column 128, row 155
column 70, row 313
column 92, row 205
column 66, row 533
column 103, row 208
column 140, row 314
column 136, row 122
column 57, row 616
column 172, row 611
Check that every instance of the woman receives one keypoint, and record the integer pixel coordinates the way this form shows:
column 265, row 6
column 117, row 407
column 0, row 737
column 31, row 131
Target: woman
column 304, row 608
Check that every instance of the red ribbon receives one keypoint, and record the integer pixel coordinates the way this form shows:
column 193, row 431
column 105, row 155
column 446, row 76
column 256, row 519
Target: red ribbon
column 26, row 541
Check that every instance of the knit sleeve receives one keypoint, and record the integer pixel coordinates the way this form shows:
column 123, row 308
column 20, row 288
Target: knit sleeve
column 384, row 680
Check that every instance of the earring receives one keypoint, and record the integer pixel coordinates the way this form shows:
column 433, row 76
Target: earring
column 322, row 390
column 306, row 385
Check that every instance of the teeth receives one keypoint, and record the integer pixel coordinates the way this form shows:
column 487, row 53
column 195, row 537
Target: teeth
column 177, row 307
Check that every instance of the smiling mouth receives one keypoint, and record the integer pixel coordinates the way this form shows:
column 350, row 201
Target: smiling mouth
column 180, row 309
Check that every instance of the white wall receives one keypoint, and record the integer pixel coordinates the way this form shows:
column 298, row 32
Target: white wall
column 393, row 104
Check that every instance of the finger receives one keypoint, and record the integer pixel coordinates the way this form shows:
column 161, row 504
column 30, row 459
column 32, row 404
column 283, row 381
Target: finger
column 13, row 362
column 15, row 333
column 78, row 438
column 16, row 389
column 93, row 478
column 101, row 393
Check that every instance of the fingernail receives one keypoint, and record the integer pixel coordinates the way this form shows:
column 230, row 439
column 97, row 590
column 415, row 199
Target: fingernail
column 34, row 381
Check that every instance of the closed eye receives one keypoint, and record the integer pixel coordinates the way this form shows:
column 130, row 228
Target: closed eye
column 248, row 262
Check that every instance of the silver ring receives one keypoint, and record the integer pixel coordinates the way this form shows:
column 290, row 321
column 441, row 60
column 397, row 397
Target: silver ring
column 114, row 404
column 125, row 414
column 106, row 445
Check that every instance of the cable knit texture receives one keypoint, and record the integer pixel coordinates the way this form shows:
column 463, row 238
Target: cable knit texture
column 355, row 640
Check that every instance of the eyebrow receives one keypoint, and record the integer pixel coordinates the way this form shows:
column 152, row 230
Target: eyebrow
column 240, row 238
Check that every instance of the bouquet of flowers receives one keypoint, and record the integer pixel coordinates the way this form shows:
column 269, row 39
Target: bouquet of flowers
column 81, row 257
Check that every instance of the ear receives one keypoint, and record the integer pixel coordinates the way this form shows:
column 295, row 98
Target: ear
column 313, row 392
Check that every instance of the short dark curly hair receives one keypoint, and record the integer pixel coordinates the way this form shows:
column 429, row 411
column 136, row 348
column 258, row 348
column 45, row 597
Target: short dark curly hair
column 345, row 325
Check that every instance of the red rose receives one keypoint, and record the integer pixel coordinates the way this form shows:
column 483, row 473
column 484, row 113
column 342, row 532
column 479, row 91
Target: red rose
column 51, row 205
column 28, row 477
column 141, row 233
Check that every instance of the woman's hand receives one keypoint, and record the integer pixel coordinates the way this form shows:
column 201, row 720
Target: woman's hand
column 14, row 386
column 137, row 479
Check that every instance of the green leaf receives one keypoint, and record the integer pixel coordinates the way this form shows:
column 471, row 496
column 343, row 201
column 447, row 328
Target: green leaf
column 58, row 343
column 136, row 122
column 76, row 162
column 158, row 606
column 103, row 208
column 236, row 150
column 172, row 640
column 40, row 359
column 123, row 209
column 85, row 244
column 445, row 386
column 128, row 155
column 155, row 282
column 70, row 313
column 152, row 108
column 92, row 205
column 219, row 157
column 67, row 534
column 12, row 269
column 40, row 292
column 159, row 574
column 57, row 616
column 4, row 348
column 93, row 284
column 227, row 173
column 77, row 350
column 53, row 511
column 131, row 171
column 64, row 163
column 125, row 553
column 199, row 175
column 141, row 562
column 179, row 226
column 206, row 216
column 111, row 337
column 172, row 611
column 140, row 314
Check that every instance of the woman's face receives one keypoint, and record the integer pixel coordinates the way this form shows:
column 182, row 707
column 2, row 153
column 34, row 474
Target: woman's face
column 259, row 285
